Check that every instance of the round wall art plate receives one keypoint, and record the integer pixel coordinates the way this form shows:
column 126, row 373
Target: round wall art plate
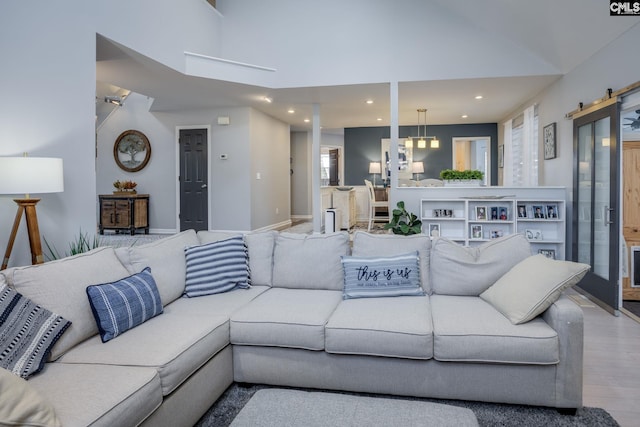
column 132, row 150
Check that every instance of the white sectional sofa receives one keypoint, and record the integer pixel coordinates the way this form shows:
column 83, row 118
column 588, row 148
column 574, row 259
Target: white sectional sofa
column 293, row 327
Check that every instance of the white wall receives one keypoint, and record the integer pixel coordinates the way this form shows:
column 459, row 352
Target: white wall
column 270, row 154
column 158, row 178
column 301, row 177
column 252, row 143
column 48, row 87
column 613, row 67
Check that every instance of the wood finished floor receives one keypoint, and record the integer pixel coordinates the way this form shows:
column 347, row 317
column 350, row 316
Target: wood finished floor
column 611, row 378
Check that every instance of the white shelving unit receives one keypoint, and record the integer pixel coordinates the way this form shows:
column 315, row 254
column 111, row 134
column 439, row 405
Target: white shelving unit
column 472, row 222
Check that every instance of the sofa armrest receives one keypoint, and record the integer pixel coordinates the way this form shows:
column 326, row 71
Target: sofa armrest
column 566, row 318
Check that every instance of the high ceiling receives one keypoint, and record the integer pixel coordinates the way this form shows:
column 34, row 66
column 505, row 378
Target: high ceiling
column 560, row 41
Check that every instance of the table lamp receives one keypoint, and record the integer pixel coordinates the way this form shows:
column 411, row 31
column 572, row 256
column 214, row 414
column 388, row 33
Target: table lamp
column 417, row 168
column 26, row 175
column 374, row 168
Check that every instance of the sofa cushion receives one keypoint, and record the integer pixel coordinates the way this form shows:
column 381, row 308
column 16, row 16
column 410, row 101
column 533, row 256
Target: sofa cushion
column 260, row 246
column 99, row 395
column 174, row 344
column 166, row 259
column 217, row 267
column 371, row 277
column 303, row 261
column 372, row 245
column 22, row 405
column 388, row 327
column 532, row 286
column 293, row 318
column 60, row 287
column 224, row 304
column 461, row 270
column 468, row 329
column 27, row 333
column 125, row 304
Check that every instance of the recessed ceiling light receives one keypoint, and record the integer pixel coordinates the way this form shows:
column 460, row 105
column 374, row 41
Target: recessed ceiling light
column 369, row 101
column 307, row 120
column 379, row 119
column 464, row 116
column 478, row 96
column 291, row 111
column 267, row 99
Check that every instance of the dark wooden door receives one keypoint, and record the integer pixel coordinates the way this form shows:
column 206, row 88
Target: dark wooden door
column 333, row 167
column 194, row 210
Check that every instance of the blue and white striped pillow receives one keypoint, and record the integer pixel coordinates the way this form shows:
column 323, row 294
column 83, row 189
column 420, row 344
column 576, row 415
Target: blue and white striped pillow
column 217, row 267
column 382, row 276
column 125, row 304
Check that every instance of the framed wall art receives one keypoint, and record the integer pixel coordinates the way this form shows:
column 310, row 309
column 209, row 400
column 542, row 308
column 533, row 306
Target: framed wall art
column 549, row 140
column 132, row 150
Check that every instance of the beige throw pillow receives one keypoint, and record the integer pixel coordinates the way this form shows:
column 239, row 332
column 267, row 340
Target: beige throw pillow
column 531, row 286
column 469, row 271
column 22, row 405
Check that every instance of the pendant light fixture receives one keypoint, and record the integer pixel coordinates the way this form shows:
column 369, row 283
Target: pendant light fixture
column 422, row 143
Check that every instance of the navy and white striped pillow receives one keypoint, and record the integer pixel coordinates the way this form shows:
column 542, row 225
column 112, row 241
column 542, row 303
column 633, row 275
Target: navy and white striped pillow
column 28, row 332
column 381, row 276
column 125, row 304
column 217, row 267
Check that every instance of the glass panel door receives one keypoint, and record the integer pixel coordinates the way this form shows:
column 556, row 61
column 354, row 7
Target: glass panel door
column 596, row 203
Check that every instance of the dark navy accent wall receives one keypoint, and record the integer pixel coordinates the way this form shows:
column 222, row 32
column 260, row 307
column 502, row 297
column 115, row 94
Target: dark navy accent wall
column 362, row 146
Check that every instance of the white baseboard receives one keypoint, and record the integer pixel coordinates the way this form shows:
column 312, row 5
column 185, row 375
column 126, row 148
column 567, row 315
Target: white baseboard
column 278, row 226
column 163, row 231
column 301, row 217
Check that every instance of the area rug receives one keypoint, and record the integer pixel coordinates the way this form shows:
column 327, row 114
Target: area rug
column 276, row 407
column 222, row 413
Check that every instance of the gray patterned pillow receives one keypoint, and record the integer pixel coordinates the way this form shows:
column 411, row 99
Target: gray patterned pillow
column 27, row 333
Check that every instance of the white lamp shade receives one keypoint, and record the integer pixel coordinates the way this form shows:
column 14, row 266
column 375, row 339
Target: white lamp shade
column 435, row 143
column 422, row 143
column 417, row 167
column 25, row 175
column 374, row 167
column 408, row 143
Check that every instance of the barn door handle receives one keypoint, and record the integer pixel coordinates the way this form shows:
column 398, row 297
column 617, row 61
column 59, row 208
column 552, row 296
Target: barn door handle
column 608, row 215
column 204, row 186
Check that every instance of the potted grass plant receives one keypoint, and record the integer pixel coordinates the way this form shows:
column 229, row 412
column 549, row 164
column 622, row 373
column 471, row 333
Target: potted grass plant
column 465, row 178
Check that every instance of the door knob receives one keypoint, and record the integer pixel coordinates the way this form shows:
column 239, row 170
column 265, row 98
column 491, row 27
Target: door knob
column 204, row 186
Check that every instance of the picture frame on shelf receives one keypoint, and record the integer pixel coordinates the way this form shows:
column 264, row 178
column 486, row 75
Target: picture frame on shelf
column 476, row 232
column 549, row 253
column 552, row 211
column 481, row 213
column 494, row 213
column 533, row 234
column 496, row 234
column 434, row 230
column 443, row 213
column 503, row 214
column 539, row 212
column 522, row 211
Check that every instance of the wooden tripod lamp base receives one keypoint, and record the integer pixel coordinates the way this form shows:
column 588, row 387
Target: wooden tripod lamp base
column 29, row 208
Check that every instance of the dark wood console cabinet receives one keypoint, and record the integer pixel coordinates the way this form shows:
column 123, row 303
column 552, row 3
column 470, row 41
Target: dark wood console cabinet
column 124, row 213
